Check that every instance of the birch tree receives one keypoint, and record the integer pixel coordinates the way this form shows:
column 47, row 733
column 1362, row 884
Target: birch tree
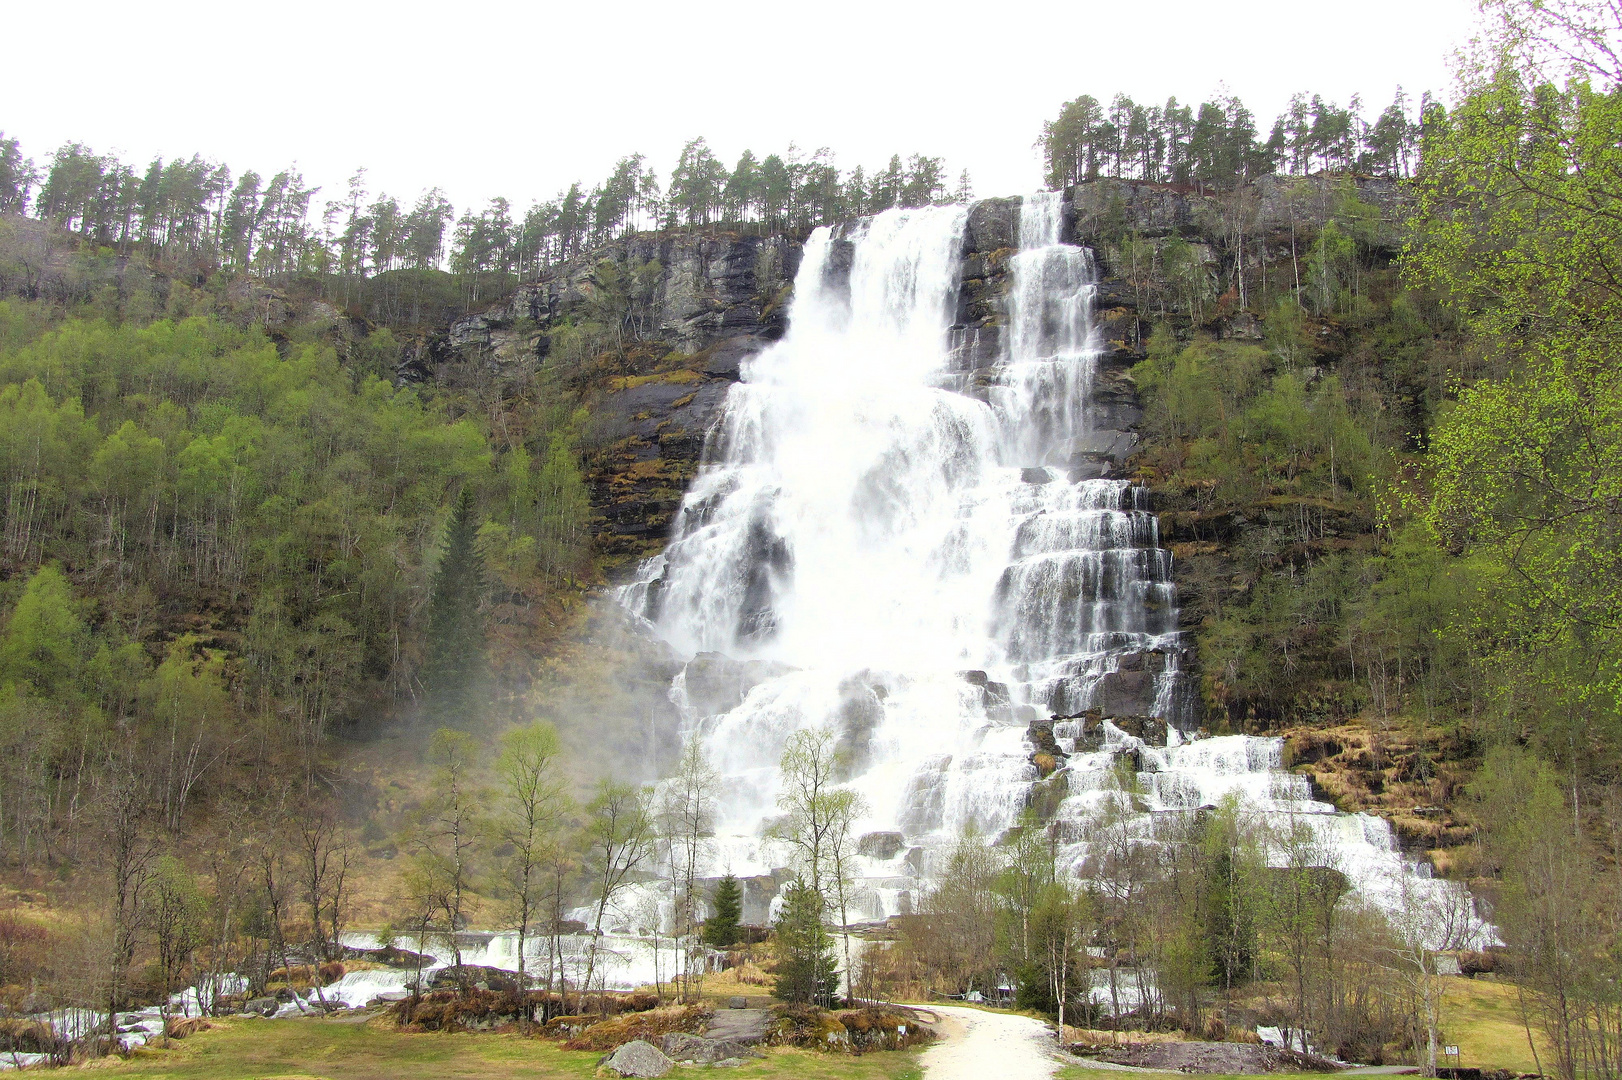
column 530, row 817
column 619, row 840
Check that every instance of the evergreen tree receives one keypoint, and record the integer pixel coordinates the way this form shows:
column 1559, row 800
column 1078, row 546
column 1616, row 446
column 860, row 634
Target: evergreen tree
column 806, row 969
column 721, row 928
column 455, row 639
column 16, row 176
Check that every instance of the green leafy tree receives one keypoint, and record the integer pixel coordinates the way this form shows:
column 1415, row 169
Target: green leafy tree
column 44, row 641
column 530, row 818
column 176, row 914
column 1520, row 227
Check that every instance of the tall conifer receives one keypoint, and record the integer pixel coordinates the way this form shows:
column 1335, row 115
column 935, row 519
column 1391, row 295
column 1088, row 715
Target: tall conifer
column 455, row 638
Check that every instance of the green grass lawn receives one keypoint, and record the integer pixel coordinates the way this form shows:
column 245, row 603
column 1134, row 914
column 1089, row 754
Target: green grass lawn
column 239, row 1049
column 1482, row 1018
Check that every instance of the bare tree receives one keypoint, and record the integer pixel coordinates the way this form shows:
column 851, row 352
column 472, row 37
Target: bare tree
column 686, row 808
column 1430, row 917
column 955, row 932
column 131, row 850
column 322, row 849
column 619, row 839
column 445, row 836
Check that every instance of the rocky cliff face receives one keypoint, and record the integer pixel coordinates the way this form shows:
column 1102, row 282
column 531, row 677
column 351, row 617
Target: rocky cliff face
column 670, row 318
column 1132, row 227
column 690, row 308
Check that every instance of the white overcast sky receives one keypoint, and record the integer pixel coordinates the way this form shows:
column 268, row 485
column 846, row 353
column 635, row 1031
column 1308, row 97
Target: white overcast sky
column 486, row 97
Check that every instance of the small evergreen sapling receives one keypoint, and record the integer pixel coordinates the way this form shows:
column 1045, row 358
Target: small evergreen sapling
column 721, row 928
column 806, row 968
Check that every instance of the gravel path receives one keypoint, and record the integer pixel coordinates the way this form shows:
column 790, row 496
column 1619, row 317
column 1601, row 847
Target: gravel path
column 979, row 1045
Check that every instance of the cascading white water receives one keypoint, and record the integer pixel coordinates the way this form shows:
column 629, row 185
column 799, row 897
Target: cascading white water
column 928, row 573
column 918, row 561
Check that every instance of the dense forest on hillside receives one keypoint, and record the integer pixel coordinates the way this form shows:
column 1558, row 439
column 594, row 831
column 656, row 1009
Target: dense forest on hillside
column 193, row 210
column 1382, row 424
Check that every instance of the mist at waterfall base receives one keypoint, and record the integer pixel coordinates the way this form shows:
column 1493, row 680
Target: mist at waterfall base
column 925, row 555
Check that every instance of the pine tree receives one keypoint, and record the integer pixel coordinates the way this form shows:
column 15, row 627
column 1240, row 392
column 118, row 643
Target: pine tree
column 455, row 639
column 806, row 968
column 721, row 928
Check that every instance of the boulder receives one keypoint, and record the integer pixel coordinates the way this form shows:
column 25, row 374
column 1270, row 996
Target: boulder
column 637, row 1058
column 737, row 1003
column 475, row 975
column 880, row 845
column 1040, row 736
column 717, row 683
column 262, row 1006
column 680, row 1046
column 1151, row 729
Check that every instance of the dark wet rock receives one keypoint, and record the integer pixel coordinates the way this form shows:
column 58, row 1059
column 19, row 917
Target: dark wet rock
column 861, row 710
column 717, row 683
column 1089, row 729
column 881, row 845
column 392, row 956
column 993, row 224
column 726, row 358
column 1232, row 1058
column 758, row 894
column 1125, row 693
column 1040, row 736
column 474, row 975
column 1151, row 729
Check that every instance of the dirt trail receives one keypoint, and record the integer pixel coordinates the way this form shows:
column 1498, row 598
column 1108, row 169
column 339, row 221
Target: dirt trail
column 978, row 1045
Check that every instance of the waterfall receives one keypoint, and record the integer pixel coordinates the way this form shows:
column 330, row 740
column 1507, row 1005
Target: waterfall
column 936, row 572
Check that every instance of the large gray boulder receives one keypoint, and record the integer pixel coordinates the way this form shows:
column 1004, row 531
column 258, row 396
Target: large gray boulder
column 638, row 1058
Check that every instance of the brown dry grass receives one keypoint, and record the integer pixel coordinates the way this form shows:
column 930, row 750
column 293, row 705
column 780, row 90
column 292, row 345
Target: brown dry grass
column 652, row 1026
